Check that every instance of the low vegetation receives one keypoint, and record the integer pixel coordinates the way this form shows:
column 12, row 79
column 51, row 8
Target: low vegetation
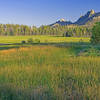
column 95, row 39
column 42, row 39
column 58, row 71
column 50, row 67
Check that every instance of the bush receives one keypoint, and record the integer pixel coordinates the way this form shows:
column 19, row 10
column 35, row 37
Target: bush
column 96, row 33
column 23, row 42
column 90, row 52
column 37, row 40
column 30, row 40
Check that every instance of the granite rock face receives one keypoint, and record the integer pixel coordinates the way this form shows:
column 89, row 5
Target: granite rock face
column 89, row 18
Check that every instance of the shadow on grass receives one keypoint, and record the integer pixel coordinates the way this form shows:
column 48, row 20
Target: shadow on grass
column 61, row 44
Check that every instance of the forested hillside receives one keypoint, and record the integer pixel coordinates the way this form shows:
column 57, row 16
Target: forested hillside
column 68, row 30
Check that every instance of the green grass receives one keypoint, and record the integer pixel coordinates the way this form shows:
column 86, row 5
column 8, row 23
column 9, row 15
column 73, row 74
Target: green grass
column 57, row 70
column 43, row 39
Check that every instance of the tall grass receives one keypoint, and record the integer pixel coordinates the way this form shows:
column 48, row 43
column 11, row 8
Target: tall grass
column 48, row 73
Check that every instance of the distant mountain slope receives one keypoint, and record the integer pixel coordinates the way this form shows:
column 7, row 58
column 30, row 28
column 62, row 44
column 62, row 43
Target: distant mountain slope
column 88, row 19
column 61, row 22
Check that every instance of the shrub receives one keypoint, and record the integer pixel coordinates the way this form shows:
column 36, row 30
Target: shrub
column 23, row 42
column 30, row 40
column 37, row 40
column 96, row 33
column 90, row 52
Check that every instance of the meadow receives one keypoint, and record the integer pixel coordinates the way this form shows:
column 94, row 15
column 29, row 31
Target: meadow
column 43, row 39
column 57, row 68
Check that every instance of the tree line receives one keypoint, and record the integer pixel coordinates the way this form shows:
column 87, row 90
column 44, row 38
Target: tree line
column 95, row 38
column 71, row 30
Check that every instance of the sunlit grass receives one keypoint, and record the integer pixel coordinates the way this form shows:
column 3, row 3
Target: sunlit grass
column 43, row 39
column 48, row 72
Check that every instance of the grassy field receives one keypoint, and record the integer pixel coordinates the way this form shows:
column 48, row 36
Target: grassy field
column 43, row 39
column 62, row 69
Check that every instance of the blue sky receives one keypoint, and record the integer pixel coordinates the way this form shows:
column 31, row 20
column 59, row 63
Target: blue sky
column 43, row 12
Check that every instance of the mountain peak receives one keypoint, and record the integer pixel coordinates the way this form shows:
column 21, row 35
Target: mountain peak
column 92, row 12
column 62, row 20
column 89, row 18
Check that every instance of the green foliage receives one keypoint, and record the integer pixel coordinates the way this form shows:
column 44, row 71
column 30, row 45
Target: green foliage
column 91, row 52
column 37, row 40
column 30, row 40
column 23, row 30
column 42, row 38
column 96, row 34
column 23, row 42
